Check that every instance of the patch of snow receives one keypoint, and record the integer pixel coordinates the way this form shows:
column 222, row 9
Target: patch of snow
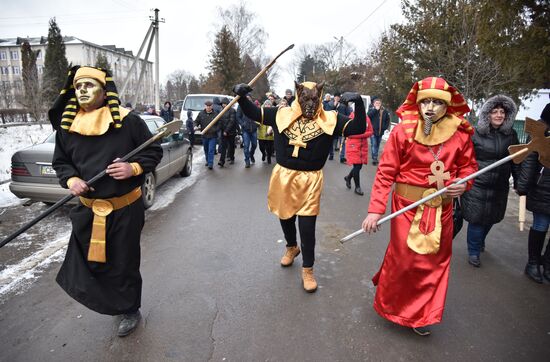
column 171, row 188
column 17, row 278
column 7, row 199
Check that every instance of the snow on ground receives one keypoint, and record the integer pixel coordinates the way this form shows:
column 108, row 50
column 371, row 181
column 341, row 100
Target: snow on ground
column 17, row 278
column 170, row 188
column 8, row 199
column 15, row 138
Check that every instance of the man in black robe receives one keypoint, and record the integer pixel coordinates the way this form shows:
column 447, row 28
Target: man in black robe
column 101, row 267
column 303, row 135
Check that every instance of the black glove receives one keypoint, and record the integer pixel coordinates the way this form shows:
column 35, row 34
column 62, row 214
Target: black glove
column 242, row 89
column 350, row 97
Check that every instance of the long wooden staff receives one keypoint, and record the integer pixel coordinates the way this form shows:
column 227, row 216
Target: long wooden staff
column 251, row 83
column 163, row 131
column 539, row 143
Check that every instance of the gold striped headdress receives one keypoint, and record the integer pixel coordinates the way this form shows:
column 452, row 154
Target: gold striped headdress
column 433, row 87
column 66, row 107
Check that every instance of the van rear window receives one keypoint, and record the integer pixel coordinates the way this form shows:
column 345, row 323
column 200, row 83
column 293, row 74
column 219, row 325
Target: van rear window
column 196, row 103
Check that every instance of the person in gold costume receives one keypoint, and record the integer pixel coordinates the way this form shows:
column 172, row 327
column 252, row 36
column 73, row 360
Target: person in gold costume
column 303, row 135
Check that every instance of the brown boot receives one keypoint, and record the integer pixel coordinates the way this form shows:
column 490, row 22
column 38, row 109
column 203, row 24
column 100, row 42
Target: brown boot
column 290, row 253
column 310, row 284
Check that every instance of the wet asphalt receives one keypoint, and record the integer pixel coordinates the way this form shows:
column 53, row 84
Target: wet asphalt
column 214, row 290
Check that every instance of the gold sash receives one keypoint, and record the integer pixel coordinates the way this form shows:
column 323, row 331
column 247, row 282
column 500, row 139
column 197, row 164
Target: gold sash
column 101, row 209
column 423, row 237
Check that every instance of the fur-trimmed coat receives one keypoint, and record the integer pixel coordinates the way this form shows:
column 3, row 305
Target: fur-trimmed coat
column 486, row 202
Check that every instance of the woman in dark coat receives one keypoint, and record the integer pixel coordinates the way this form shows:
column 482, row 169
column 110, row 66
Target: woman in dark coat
column 534, row 181
column 166, row 112
column 485, row 204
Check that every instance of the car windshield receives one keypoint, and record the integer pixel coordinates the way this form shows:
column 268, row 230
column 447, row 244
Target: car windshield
column 196, row 103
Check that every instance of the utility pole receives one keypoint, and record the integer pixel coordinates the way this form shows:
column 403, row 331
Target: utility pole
column 152, row 34
column 157, row 80
column 341, row 45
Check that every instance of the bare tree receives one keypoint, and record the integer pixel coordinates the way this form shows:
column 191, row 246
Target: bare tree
column 179, row 82
column 6, row 94
column 249, row 36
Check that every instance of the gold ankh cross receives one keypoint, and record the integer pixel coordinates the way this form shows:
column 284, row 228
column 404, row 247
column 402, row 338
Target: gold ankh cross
column 438, row 174
column 297, row 143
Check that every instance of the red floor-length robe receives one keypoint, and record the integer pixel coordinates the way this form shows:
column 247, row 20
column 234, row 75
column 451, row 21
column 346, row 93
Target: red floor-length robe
column 411, row 287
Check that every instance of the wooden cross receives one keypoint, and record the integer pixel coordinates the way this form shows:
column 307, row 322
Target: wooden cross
column 297, row 143
column 539, row 143
column 438, row 174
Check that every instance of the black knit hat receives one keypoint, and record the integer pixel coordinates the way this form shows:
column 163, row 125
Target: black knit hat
column 66, row 107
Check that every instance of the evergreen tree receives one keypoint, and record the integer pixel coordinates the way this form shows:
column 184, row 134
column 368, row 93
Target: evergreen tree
column 194, row 86
column 225, row 61
column 102, row 62
column 55, row 63
column 482, row 48
column 250, row 69
column 32, row 98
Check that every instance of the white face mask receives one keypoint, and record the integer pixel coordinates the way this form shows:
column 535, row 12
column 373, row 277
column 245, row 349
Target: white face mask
column 432, row 109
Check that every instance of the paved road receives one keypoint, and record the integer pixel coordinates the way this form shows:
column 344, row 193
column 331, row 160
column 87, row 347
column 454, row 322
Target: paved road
column 213, row 290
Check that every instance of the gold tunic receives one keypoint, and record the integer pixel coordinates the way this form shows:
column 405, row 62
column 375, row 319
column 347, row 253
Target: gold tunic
column 294, row 192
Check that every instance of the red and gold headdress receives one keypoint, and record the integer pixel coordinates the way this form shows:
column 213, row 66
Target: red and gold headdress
column 432, row 87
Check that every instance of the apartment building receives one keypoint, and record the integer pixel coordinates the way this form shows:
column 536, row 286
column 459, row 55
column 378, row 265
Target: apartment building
column 79, row 52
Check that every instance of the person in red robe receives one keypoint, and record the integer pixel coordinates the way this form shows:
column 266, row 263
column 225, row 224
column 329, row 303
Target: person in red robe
column 430, row 149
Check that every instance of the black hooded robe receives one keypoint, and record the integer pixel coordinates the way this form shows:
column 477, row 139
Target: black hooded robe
column 113, row 287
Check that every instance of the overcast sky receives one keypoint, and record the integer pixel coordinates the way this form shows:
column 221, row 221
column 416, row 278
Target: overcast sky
column 186, row 37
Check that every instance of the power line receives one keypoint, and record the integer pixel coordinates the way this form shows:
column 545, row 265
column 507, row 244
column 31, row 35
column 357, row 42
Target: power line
column 368, row 16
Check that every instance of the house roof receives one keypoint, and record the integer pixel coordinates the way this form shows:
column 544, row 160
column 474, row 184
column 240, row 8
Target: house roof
column 68, row 40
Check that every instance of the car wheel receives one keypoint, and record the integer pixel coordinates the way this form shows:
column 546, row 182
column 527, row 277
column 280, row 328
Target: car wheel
column 188, row 167
column 148, row 190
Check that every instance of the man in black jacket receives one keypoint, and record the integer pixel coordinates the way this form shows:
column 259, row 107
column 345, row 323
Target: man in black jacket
column 380, row 119
column 228, row 126
column 249, row 129
column 209, row 138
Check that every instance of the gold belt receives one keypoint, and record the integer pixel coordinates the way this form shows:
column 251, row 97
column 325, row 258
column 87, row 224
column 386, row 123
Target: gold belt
column 424, row 235
column 101, row 209
column 415, row 193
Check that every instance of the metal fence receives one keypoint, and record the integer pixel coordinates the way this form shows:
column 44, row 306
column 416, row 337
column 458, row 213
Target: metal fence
column 519, row 126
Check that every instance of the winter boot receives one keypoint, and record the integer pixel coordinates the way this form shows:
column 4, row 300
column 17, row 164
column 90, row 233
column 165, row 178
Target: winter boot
column 348, row 181
column 546, row 262
column 128, row 323
column 290, row 253
column 535, row 244
column 310, row 284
